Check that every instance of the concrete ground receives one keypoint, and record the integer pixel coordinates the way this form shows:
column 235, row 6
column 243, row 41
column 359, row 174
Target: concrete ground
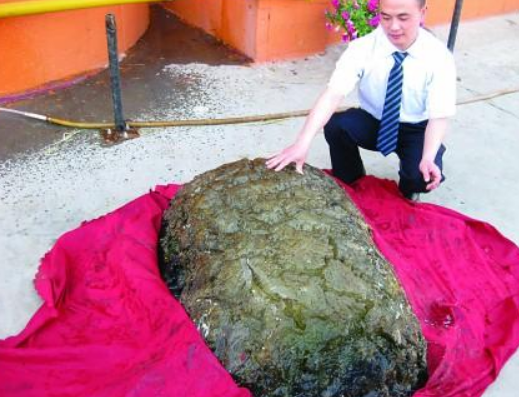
column 51, row 188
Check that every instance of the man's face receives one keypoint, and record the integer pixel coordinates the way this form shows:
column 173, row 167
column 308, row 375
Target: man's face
column 400, row 20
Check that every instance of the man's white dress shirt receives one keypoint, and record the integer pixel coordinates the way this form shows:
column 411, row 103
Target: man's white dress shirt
column 429, row 86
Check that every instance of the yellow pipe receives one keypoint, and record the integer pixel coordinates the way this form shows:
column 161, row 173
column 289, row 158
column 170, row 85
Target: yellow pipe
column 16, row 9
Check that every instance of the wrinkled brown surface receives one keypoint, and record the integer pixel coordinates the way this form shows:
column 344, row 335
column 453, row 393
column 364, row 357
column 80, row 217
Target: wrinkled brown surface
column 280, row 274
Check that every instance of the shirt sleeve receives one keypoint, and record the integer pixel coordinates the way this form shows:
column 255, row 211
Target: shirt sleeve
column 348, row 70
column 441, row 95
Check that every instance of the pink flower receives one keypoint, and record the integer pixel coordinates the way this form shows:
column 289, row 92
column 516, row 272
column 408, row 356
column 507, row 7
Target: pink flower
column 372, row 6
column 352, row 31
column 345, row 15
column 328, row 26
column 335, row 3
column 345, row 37
column 356, row 5
column 375, row 21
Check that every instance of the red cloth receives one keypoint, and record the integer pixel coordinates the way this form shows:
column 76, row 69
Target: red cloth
column 461, row 277
column 109, row 327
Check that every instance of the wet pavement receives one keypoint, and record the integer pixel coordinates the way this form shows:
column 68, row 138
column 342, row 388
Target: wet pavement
column 145, row 85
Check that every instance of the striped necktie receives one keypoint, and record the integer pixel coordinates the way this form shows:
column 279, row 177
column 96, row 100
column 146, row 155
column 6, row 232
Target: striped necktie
column 388, row 132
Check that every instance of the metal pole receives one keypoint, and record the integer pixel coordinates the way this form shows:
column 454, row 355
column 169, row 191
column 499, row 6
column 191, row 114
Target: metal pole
column 456, row 16
column 115, row 77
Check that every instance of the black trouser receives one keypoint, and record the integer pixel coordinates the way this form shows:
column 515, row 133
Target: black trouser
column 354, row 128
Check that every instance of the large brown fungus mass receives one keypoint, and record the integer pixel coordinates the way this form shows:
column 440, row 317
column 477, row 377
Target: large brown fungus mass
column 279, row 273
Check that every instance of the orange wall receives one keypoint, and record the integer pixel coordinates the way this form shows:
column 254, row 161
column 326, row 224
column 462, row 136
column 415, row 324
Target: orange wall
column 261, row 29
column 279, row 29
column 291, row 28
column 232, row 21
column 38, row 49
column 440, row 11
column 238, row 17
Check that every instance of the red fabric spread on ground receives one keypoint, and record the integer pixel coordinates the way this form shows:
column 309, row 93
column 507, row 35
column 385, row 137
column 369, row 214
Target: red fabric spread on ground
column 109, row 327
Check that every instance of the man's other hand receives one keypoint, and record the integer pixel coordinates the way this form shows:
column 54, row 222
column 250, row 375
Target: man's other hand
column 431, row 174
